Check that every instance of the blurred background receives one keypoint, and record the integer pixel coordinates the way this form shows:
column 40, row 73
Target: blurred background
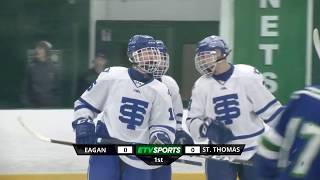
column 273, row 35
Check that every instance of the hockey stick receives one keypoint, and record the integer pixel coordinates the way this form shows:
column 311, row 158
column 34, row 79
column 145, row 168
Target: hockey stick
column 118, row 141
column 226, row 159
column 316, row 41
column 42, row 137
column 101, row 141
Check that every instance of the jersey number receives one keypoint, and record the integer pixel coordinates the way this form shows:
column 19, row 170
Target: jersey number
column 226, row 108
column 311, row 133
column 132, row 112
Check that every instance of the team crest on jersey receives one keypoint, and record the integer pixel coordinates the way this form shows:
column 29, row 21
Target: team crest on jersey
column 226, row 108
column 132, row 112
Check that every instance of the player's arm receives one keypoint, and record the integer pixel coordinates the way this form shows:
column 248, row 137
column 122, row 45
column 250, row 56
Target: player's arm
column 182, row 137
column 196, row 112
column 267, row 157
column 276, row 141
column 86, row 109
column 176, row 103
column 265, row 105
column 162, row 125
column 295, row 138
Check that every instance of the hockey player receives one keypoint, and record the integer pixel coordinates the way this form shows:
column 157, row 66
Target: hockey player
column 164, row 173
column 181, row 136
column 291, row 151
column 135, row 108
column 229, row 104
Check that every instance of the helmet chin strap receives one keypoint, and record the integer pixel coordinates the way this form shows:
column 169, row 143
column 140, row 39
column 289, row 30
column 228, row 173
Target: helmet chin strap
column 219, row 60
column 213, row 68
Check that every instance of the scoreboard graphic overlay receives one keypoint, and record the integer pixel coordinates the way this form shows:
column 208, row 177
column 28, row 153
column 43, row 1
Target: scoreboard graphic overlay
column 153, row 154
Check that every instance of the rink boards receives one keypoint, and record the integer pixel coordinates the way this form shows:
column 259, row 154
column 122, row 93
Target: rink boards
column 24, row 157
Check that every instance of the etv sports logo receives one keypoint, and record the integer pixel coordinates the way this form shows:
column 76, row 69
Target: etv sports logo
column 158, row 150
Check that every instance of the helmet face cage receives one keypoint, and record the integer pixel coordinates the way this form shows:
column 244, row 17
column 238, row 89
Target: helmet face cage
column 147, row 59
column 163, row 66
column 205, row 62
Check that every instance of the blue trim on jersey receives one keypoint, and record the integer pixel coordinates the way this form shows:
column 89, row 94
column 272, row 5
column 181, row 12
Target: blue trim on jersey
column 163, row 126
column 249, row 148
column 138, row 76
column 266, row 106
column 224, row 76
column 89, row 106
column 81, row 106
column 179, row 114
column 248, row 135
column 275, row 114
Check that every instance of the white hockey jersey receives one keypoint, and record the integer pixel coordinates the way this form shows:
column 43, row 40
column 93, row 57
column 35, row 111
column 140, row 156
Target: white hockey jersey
column 176, row 98
column 132, row 110
column 242, row 103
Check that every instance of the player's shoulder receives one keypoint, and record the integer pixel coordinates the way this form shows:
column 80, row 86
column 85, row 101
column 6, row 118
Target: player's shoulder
column 306, row 103
column 169, row 81
column 113, row 73
column 309, row 92
column 168, row 78
column 202, row 81
column 159, row 87
column 247, row 72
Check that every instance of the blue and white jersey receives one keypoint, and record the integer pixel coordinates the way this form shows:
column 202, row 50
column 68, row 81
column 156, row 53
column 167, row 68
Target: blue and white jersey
column 241, row 102
column 176, row 98
column 292, row 150
column 132, row 110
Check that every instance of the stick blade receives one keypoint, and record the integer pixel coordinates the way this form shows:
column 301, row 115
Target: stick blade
column 316, row 41
column 32, row 132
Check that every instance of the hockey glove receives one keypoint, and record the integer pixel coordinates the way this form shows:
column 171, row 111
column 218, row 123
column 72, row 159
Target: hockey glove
column 160, row 138
column 101, row 130
column 85, row 131
column 216, row 131
column 183, row 137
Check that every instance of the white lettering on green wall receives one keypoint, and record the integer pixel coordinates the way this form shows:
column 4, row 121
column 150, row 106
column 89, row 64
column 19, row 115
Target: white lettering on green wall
column 270, row 81
column 268, row 52
column 269, row 31
column 273, row 3
column 267, row 24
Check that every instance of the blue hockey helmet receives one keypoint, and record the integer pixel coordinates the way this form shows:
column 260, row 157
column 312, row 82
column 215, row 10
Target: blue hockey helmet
column 210, row 51
column 143, row 53
column 165, row 59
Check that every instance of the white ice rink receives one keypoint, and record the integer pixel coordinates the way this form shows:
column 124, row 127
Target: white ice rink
column 21, row 153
